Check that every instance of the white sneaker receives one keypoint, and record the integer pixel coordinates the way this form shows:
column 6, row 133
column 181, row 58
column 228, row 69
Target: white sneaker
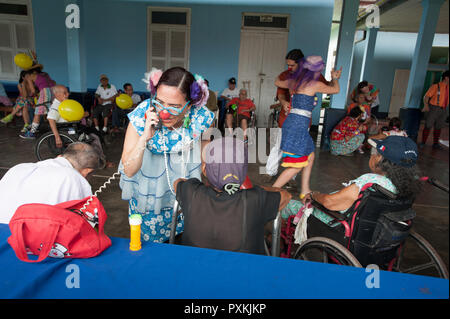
column 105, row 129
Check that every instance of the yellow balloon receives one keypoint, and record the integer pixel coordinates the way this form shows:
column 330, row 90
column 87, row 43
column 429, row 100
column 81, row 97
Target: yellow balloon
column 124, row 101
column 71, row 110
column 23, row 61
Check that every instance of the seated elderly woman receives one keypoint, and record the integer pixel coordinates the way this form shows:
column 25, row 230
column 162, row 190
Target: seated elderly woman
column 241, row 107
column 348, row 135
column 393, row 166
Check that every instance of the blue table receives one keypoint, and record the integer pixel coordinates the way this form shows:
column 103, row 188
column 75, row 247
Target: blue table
column 180, row 272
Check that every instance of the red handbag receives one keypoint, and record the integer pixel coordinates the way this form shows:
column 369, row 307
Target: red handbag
column 60, row 231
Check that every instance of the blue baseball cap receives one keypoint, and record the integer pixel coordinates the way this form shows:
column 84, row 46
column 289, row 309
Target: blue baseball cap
column 399, row 150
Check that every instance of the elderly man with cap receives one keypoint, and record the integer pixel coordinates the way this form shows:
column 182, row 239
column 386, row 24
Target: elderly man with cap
column 105, row 94
column 219, row 214
column 227, row 95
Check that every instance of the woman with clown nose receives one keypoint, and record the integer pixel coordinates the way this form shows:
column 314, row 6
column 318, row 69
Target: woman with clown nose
column 159, row 147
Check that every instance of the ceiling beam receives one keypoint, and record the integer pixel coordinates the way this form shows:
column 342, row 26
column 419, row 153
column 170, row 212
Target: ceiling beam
column 384, row 5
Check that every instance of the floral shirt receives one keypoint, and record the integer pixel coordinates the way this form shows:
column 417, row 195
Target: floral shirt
column 170, row 140
column 346, row 129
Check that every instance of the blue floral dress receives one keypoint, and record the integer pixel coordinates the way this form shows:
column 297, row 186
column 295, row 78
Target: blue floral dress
column 148, row 191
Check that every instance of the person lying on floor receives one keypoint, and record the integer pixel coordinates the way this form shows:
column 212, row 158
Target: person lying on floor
column 220, row 215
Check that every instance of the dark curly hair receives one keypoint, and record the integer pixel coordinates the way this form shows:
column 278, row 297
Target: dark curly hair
column 405, row 179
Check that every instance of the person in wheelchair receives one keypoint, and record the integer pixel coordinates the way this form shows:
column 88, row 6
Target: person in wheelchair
column 220, row 214
column 393, row 167
column 239, row 109
column 61, row 94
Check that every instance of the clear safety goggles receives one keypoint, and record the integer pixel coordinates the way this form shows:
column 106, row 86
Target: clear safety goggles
column 172, row 110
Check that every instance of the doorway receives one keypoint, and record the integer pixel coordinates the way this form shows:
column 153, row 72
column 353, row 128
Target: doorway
column 400, row 87
column 261, row 59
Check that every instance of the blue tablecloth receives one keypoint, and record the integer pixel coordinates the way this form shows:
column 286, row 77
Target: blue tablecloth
column 180, row 272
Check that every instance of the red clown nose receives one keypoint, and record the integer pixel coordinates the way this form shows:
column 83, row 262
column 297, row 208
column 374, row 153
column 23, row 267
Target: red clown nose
column 164, row 115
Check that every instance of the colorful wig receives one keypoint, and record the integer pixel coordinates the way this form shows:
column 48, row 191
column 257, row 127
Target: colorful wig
column 308, row 71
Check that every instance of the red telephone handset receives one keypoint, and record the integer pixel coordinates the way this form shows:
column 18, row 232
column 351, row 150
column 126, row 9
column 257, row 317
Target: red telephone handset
column 247, row 184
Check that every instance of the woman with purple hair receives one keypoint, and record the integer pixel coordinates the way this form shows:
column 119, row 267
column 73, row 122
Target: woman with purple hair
column 297, row 145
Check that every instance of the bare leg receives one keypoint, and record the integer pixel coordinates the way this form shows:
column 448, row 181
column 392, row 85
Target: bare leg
column 37, row 119
column 26, row 115
column 229, row 120
column 306, row 174
column 229, row 123
column 286, row 176
column 244, row 126
column 16, row 109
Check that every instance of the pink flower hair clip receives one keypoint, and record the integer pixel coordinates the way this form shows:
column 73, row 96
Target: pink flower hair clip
column 152, row 79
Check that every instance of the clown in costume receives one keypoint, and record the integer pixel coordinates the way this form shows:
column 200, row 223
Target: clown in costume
column 162, row 144
column 296, row 143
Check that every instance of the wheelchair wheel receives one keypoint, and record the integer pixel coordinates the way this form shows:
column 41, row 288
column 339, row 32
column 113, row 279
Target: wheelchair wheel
column 325, row 250
column 45, row 147
column 418, row 257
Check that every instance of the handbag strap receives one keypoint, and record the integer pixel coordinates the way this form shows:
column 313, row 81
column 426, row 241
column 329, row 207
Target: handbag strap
column 20, row 250
column 244, row 221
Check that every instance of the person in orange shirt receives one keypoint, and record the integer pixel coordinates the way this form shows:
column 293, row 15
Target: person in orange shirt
column 243, row 107
column 435, row 104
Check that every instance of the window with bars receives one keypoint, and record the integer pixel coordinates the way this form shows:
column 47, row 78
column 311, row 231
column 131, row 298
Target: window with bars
column 16, row 36
column 168, row 37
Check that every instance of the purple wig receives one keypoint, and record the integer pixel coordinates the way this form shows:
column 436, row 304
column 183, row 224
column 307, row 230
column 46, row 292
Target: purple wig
column 308, row 71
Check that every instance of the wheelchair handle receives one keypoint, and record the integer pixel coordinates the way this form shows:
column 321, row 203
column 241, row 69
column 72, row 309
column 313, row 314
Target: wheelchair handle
column 435, row 183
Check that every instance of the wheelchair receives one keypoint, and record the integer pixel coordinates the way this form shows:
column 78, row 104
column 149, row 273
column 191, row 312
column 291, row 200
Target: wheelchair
column 274, row 115
column 377, row 229
column 71, row 132
column 273, row 250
